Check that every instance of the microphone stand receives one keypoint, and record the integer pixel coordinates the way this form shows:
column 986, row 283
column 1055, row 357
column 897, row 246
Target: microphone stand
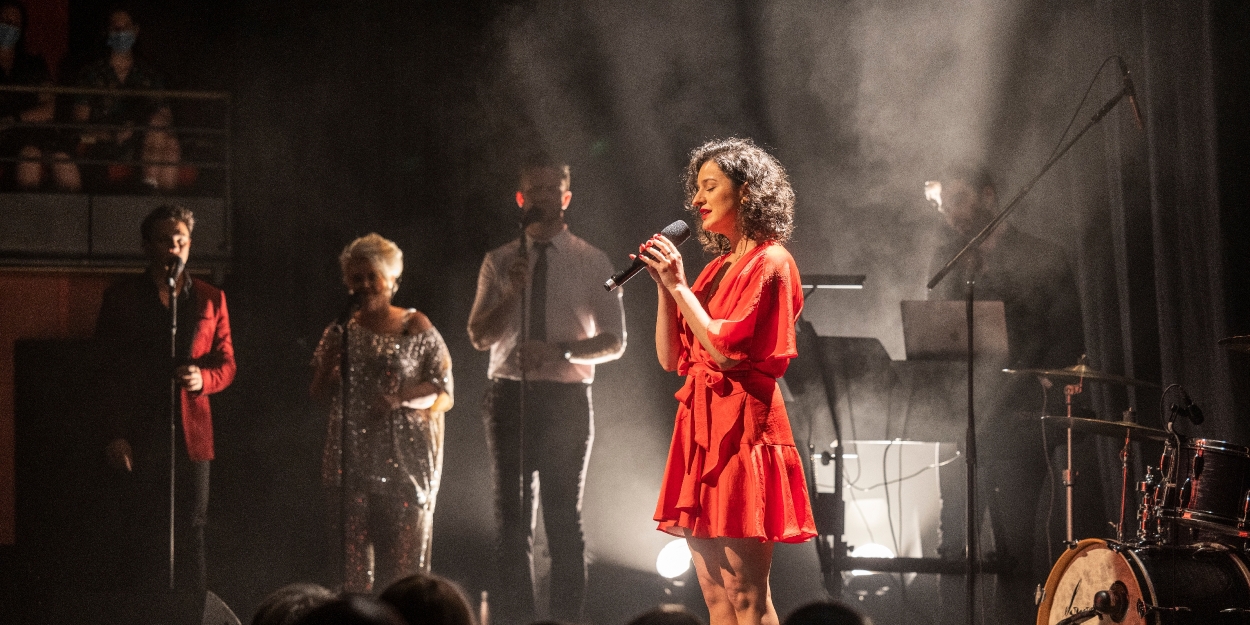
column 175, row 270
column 937, row 278
column 970, row 443
column 524, row 338
column 344, row 379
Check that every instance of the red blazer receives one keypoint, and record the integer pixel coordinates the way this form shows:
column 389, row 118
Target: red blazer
column 213, row 352
column 133, row 337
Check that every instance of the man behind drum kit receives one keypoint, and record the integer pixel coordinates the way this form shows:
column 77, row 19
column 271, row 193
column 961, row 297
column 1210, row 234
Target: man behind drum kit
column 1044, row 330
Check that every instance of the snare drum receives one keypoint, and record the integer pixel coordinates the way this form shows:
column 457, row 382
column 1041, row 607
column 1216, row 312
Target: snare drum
column 1160, row 584
column 1211, row 488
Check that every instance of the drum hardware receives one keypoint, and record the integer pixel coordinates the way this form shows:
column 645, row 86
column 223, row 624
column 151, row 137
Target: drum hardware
column 1116, row 546
column 1112, row 603
column 1201, row 548
column 1119, row 526
column 1245, row 512
column 1145, row 609
column 1148, row 519
column 1068, row 391
column 1236, row 343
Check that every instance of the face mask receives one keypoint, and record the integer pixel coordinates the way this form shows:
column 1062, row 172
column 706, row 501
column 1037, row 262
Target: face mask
column 9, row 34
column 121, row 40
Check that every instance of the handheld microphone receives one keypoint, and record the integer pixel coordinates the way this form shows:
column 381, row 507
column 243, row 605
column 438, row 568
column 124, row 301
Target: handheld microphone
column 677, row 232
column 1131, row 93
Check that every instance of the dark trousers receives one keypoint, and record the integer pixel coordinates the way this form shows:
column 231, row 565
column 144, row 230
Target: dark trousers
column 140, row 522
column 558, row 430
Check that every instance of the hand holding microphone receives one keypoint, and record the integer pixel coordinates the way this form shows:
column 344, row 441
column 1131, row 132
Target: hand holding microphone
column 659, row 256
column 663, row 261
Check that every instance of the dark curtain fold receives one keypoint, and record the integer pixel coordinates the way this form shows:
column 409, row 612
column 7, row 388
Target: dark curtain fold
column 1152, row 253
column 1178, row 92
column 1151, row 262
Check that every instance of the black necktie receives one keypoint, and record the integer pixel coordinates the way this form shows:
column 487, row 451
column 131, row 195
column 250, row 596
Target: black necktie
column 538, row 294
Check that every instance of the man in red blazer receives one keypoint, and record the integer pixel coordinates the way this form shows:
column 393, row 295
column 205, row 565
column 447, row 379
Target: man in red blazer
column 133, row 338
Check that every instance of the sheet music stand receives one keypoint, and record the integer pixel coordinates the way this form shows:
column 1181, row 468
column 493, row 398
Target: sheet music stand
column 938, row 329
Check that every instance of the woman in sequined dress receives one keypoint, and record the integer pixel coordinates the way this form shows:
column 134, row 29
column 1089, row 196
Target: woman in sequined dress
column 399, row 387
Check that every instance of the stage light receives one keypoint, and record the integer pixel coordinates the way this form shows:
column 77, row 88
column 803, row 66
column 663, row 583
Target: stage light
column 870, row 550
column 674, row 559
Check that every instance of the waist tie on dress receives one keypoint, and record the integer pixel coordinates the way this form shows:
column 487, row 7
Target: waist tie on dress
column 707, row 434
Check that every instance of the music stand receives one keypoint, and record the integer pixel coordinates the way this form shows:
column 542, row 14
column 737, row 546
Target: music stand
column 938, row 329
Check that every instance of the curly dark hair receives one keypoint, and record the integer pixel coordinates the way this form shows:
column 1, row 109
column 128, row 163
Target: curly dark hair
column 767, row 214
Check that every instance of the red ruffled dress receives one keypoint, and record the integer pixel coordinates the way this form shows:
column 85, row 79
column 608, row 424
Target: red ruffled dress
column 733, row 470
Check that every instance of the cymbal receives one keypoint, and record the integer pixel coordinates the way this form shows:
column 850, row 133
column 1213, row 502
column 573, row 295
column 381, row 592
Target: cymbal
column 1115, row 429
column 1237, row 343
column 1081, row 371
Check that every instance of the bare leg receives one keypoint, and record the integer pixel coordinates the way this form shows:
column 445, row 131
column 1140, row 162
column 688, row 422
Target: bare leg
column 29, row 173
column 733, row 574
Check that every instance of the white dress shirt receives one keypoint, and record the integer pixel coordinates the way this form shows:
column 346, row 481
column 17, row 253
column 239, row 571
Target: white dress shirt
column 578, row 307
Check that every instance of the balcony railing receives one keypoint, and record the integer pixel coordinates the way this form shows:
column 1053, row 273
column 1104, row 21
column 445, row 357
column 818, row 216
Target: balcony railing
column 100, row 225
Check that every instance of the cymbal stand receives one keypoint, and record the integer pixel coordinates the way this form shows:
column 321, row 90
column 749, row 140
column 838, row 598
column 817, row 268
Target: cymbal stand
column 1119, row 527
column 1069, row 391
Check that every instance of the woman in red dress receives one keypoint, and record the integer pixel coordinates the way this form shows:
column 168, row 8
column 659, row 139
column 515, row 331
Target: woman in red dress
column 734, row 481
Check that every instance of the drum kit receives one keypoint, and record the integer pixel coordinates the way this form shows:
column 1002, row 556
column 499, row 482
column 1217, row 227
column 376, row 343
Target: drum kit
column 1188, row 560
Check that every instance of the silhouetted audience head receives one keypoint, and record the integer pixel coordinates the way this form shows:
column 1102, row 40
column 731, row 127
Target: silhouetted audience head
column 352, row 610
column 826, row 613
column 668, row 614
column 427, row 599
column 286, row 605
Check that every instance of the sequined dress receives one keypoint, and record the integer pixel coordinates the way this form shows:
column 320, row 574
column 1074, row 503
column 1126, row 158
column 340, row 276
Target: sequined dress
column 393, row 456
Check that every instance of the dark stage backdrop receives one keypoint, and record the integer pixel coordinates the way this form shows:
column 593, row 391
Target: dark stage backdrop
column 408, row 118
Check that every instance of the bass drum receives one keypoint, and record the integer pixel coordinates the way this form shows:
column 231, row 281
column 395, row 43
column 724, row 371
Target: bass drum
column 1149, row 585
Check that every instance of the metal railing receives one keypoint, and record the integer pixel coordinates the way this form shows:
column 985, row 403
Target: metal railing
column 205, row 144
column 223, row 130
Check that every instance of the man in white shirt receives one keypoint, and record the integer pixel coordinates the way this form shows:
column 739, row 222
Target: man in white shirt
column 543, row 313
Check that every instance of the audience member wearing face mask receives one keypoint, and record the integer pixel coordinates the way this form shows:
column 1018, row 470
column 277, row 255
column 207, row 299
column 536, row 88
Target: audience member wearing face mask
column 130, row 128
